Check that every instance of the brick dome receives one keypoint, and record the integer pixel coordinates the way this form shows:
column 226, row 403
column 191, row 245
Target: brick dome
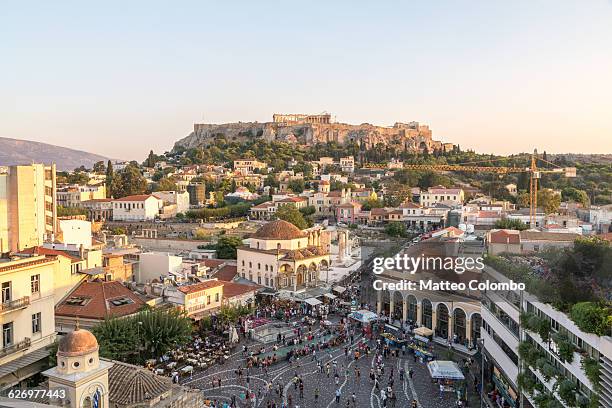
column 280, row 230
column 77, row 343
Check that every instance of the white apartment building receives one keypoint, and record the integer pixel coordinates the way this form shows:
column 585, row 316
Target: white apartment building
column 136, row 208
column 347, row 164
column 180, row 199
column 502, row 335
column 26, row 316
column 248, row 166
column 442, row 195
column 156, row 265
column 27, row 206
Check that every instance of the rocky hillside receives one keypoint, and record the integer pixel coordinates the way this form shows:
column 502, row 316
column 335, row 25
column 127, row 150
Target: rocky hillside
column 409, row 136
column 15, row 151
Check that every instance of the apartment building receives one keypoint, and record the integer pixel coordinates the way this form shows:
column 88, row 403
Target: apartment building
column 137, row 208
column 448, row 196
column 506, row 330
column 27, row 206
column 26, row 316
column 75, row 195
column 197, row 300
column 248, row 166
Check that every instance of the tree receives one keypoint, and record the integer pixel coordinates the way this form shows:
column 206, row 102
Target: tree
column 128, row 182
column 396, row 229
column 70, row 211
column 296, row 185
column 549, row 201
column 396, row 193
column 511, row 224
column 150, row 162
column 291, row 214
column 372, row 203
column 109, row 179
column 226, row 247
column 166, row 184
column 575, row 195
column 99, row 167
column 522, row 200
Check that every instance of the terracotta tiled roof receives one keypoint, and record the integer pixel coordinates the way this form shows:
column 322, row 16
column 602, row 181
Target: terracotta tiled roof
column 227, row 273
column 378, row 211
column 263, row 206
column 200, row 286
column 231, row 289
column 505, row 237
column 304, row 253
column 547, row 236
column 50, row 252
column 334, row 194
column 130, row 385
column 279, row 229
column 213, row 263
column 98, row 297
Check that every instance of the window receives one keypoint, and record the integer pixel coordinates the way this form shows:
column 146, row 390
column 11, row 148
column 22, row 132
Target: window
column 208, row 300
column 258, row 266
column 217, row 297
column 35, row 284
column 6, row 292
column 36, row 323
column 7, row 334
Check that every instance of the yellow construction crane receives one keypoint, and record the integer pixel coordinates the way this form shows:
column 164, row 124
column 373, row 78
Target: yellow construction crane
column 535, row 173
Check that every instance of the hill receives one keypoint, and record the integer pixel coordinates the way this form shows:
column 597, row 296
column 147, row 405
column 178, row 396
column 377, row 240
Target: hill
column 15, row 151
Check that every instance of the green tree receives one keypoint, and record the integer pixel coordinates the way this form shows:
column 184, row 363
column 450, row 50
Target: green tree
column 150, row 162
column 522, row 200
column 296, row 185
column 291, row 214
column 396, row 229
column 166, row 184
column 99, row 167
column 128, row 181
column 575, row 195
column 549, row 201
column 510, row 223
column 227, row 245
column 70, row 211
column 110, row 174
column 372, row 203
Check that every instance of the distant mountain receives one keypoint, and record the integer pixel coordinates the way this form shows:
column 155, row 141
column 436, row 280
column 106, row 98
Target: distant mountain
column 15, row 151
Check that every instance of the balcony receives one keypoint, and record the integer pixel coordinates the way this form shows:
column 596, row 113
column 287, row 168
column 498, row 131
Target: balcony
column 13, row 348
column 16, row 304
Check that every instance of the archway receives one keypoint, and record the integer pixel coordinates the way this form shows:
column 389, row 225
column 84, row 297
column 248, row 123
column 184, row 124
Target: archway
column 475, row 323
column 426, row 319
column 412, row 308
column 459, row 325
column 398, row 301
column 312, row 273
column 442, row 321
column 386, row 302
column 301, row 274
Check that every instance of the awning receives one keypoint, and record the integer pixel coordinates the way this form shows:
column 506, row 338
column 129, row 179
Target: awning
column 330, row 295
column 313, row 301
column 22, row 362
column 448, row 370
column 364, row 316
column 339, row 289
column 423, row 331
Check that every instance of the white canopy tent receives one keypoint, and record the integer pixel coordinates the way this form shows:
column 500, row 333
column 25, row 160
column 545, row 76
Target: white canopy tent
column 423, row 331
column 364, row 316
column 448, row 370
column 313, row 301
column 330, row 296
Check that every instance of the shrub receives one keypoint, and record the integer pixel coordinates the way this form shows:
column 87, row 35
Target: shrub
column 591, row 317
column 565, row 347
column 591, row 370
column 567, row 391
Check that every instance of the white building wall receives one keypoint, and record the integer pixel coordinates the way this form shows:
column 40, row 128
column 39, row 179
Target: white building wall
column 155, row 264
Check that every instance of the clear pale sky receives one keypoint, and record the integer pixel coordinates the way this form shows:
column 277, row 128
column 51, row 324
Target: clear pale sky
column 121, row 77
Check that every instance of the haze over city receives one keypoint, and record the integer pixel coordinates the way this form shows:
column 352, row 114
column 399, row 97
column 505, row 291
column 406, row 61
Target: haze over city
column 138, row 75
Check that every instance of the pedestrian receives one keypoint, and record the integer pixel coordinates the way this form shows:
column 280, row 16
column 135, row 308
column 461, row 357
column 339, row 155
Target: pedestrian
column 441, row 390
column 316, row 395
column 338, row 394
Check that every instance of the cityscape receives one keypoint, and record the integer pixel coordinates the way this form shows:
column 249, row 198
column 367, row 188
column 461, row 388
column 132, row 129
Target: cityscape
column 313, row 259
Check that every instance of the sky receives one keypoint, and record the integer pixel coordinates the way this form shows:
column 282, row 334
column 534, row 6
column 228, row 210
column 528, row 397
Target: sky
column 119, row 78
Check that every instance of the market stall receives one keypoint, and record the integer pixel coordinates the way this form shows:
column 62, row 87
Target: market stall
column 447, row 373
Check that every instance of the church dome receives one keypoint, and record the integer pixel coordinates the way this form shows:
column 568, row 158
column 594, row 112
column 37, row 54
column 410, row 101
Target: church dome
column 78, row 342
column 279, row 229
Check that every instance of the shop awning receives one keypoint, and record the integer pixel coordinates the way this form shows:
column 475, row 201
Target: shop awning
column 339, row 289
column 330, row 295
column 313, row 301
column 423, row 331
column 448, row 370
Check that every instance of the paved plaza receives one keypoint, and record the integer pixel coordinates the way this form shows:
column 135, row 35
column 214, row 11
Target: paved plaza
column 319, row 387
